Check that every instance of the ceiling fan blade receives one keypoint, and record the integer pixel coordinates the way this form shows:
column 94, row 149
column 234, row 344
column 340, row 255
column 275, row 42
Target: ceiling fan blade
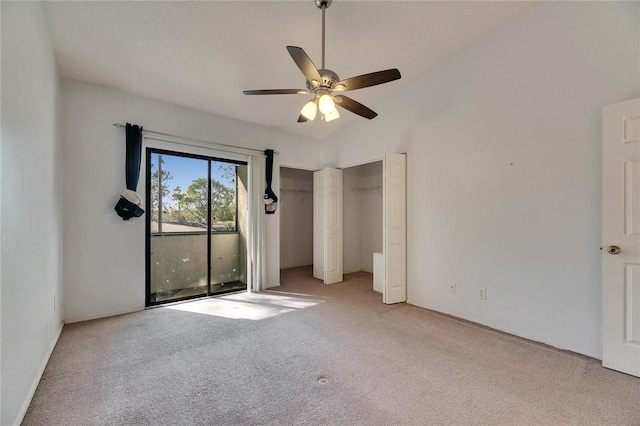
column 276, row 92
column 367, row 80
column 355, row 107
column 304, row 63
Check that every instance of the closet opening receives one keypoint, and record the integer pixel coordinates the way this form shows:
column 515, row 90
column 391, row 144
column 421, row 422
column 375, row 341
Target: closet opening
column 355, row 224
column 362, row 215
column 296, row 222
column 363, row 221
column 197, row 226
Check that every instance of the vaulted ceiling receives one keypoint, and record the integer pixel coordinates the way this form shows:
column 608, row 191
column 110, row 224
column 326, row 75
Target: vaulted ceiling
column 204, row 54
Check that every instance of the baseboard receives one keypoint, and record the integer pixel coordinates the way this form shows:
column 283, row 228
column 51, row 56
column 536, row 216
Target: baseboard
column 111, row 314
column 533, row 339
column 514, row 333
column 36, row 380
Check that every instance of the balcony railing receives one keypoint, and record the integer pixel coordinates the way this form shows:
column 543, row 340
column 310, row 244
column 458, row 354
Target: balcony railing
column 179, row 264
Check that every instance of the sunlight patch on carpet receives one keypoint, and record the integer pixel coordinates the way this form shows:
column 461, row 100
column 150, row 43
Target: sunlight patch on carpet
column 251, row 306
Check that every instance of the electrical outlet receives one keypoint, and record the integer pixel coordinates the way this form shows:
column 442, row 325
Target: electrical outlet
column 452, row 287
column 482, row 293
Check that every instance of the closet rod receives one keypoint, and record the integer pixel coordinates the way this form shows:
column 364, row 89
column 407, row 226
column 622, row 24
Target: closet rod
column 367, row 188
column 201, row 141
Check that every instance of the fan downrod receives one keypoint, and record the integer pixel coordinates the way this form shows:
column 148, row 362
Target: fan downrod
column 323, row 4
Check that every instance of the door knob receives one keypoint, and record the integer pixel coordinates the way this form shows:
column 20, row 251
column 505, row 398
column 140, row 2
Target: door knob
column 613, row 250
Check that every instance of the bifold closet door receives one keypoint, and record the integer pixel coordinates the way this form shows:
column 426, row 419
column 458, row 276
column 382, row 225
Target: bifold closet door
column 395, row 228
column 327, row 225
column 318, row 225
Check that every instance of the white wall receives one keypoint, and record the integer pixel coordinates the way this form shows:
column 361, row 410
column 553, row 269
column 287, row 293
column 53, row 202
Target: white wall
column 296, row 218
column 504, row 169
column 104, row 256
column 31, row 207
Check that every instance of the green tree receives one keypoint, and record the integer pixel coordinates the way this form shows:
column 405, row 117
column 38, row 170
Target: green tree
column 177, row 196
column 194, row 202
column 223, row 202
column 156, row 181
column 228, row 211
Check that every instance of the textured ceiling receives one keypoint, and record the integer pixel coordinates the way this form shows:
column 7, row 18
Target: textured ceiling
column 203, row 54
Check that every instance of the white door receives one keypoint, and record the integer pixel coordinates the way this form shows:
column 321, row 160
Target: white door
column 318, row 225
column 333, row 225
column 327, row 225
column 621, row 237
column 395, row 228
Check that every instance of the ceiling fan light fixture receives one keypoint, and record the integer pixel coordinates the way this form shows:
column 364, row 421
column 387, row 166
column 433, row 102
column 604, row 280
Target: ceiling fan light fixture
column 331, row 115
column 326, row 104
column 309, row 110
column 322, row 82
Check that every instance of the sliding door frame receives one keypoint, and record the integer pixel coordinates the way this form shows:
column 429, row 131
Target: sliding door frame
column 149, row 216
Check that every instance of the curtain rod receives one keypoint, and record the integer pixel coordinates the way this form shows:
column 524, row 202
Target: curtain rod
column 202, row 141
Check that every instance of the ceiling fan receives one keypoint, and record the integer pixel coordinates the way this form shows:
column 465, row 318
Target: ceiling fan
column 323, row 82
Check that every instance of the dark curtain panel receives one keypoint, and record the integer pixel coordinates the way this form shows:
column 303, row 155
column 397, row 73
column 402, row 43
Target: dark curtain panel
column 134, row 155
column 128, row 205
column 270, row 198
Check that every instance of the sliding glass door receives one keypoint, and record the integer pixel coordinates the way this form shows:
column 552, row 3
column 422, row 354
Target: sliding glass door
column 196, row 226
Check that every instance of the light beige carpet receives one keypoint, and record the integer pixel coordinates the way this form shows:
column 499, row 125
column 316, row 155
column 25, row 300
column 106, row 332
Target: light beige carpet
column 249, row 359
